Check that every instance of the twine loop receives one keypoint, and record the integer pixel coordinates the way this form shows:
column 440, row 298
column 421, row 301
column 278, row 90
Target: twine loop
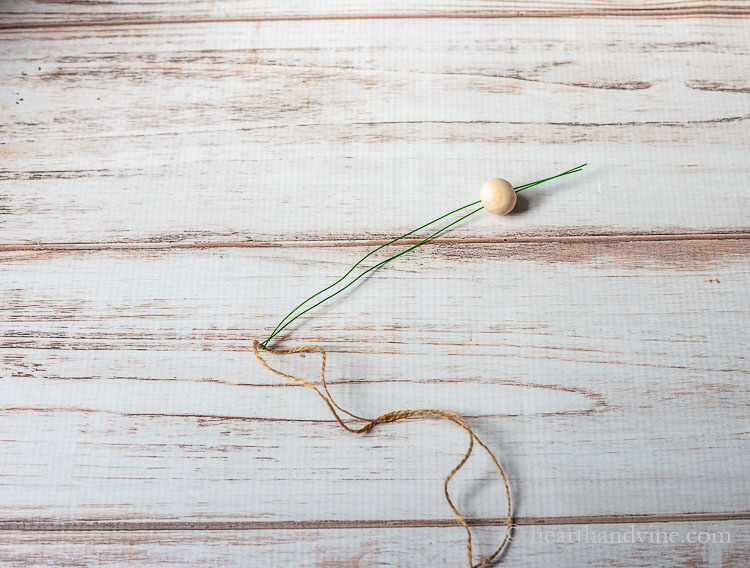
column 394, row 416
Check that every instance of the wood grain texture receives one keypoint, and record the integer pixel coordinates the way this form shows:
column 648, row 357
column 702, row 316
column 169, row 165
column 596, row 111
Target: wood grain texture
column 344, row 130
column 611, row 379
column 174, row 176
column 565, row 546
column 35, row 13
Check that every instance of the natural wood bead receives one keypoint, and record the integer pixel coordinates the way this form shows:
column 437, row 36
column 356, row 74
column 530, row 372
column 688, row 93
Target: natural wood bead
column 498, row 196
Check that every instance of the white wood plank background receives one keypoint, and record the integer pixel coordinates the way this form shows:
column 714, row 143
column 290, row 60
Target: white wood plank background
column 175, row 176
column 33, row 13
column 367, row 548
column 341, row 129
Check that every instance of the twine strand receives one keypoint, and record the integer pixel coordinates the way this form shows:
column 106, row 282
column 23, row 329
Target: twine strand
column 394, row 416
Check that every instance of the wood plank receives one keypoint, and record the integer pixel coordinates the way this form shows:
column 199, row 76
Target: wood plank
column 343, row 130
column 611, row 378
column 565, row 546
column 56, row 12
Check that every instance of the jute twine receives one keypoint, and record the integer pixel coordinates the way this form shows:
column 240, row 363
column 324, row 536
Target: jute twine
column 370, row 423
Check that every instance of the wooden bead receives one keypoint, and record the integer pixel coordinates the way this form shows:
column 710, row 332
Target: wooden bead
column 498, row 196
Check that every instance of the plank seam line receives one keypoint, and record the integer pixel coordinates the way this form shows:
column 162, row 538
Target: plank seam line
column 584, row 239
column 710, row 11
column 83, row 526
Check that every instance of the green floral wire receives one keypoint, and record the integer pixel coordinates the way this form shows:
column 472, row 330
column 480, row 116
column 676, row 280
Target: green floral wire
column 518, row 189
column 284, row 323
